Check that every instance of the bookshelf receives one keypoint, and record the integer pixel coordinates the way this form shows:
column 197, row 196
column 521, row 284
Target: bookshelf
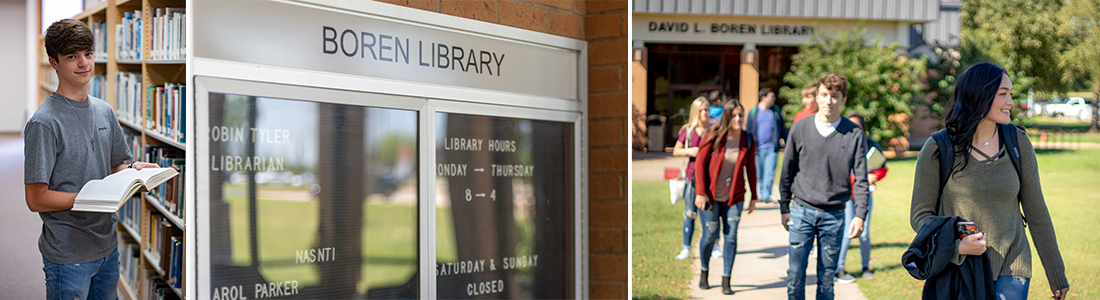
column 140, row 51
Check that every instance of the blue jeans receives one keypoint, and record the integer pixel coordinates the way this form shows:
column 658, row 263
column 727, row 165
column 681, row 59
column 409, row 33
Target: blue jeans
column 731, row 217
column 864, row 238
column 92, row 280
column 1011, row 287
column 807, row 223
column 689, row 222
column 765, row 172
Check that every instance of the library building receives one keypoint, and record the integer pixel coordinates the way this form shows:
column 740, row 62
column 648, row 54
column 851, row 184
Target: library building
column 687, row 48
column 317, row 149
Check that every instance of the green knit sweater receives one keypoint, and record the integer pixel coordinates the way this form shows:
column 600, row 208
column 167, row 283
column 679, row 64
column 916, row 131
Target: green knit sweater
column 986, row 193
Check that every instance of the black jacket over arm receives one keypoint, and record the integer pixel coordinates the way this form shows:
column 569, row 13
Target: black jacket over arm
column 929, row 258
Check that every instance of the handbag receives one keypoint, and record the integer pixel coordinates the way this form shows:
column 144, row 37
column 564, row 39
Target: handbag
column 677, row 186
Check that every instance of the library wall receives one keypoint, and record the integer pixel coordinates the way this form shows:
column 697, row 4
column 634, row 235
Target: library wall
column 602, row 23
column 14, row 78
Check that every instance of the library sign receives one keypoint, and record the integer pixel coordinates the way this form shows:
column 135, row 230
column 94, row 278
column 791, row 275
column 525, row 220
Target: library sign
column 325, row 190
column 710, row 29
column 303, row 37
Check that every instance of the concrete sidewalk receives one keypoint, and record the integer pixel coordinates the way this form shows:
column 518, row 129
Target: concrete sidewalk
column 760, row 268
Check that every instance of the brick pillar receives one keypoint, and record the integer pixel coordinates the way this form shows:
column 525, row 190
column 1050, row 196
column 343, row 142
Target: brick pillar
column 750, row 78
column 638, row 81
column 605, row 30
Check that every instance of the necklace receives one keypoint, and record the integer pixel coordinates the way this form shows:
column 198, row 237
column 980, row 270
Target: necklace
column 990, row 137
column 91, row 138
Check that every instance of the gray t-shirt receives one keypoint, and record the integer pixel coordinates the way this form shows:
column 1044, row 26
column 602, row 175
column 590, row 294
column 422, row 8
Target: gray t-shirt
column 60, row 153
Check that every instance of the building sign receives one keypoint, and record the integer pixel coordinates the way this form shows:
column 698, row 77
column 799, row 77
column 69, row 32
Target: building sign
column 731, row 28
column 741, row 29
column 310, row 200
column 504, row 207
column 331, row 40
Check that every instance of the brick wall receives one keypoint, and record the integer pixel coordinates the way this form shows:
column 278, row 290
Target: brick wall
column 603, row 23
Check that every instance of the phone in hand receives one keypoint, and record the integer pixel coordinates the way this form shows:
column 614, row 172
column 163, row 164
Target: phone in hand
column 967, row 228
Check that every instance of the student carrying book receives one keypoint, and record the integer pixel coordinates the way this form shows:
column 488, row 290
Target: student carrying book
column 72, row 139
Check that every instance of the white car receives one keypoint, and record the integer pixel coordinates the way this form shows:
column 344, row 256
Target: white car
column 1073, row 106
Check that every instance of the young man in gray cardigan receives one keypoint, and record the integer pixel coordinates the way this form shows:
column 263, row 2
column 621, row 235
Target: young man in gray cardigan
column 822, row 152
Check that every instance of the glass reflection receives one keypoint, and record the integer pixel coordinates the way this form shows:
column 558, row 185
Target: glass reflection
column 312, row 200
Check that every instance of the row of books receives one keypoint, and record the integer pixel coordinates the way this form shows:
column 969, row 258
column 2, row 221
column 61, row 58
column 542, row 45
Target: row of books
column 166, row 249
column 165, row 110
column 129, row 258
column 128, row 97
column 130, row 214
column 128, row 36
column 168, row 34
column 97, row 87
column 157, row 289
column 169, row 194
column 99, row 31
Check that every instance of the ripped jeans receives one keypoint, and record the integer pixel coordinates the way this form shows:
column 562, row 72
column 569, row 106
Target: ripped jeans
column 828, row 228
column 689, row 207
column 717, row 214
column 1011, row 287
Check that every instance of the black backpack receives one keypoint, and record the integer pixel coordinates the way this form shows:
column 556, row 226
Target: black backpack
column 947, row 162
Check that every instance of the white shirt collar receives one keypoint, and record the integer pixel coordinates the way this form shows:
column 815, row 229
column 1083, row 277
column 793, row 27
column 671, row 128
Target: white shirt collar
column 825, row 129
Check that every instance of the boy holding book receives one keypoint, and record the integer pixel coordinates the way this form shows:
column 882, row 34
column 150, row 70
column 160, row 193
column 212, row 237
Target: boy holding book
column 74, row 138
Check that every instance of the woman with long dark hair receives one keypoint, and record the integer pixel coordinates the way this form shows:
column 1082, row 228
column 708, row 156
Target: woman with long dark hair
column 726, row 159
column 985, row 188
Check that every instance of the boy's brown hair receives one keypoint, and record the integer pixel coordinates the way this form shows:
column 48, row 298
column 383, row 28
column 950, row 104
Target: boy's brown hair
column 68, row 36
column 835, row 83
column 809, row 90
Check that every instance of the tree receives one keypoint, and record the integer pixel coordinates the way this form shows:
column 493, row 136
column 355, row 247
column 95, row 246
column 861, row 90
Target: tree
column 1081, row 23
column 881, row 82
column 977, row 47
column 1027, row 31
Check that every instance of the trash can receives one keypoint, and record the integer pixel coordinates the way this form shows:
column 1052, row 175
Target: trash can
column 655, row 133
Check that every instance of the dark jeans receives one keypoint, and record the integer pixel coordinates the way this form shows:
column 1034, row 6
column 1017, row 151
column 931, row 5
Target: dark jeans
column 730, row 216
column 806, row 224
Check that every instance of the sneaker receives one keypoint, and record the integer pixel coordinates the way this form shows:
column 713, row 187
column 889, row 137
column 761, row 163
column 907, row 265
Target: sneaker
column 843, row 277
column 716, row 253
column 684, row 254
column 867, row 274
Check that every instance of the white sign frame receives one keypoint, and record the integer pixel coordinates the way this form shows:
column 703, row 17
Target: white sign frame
column 206, row 75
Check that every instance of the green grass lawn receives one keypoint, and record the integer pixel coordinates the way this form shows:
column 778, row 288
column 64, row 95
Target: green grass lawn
column 656, row 241
column 1071, row 185
column 1050, row 124
column 288, row 226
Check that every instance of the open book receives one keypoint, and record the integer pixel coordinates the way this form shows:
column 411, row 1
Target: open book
column 108, row 194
